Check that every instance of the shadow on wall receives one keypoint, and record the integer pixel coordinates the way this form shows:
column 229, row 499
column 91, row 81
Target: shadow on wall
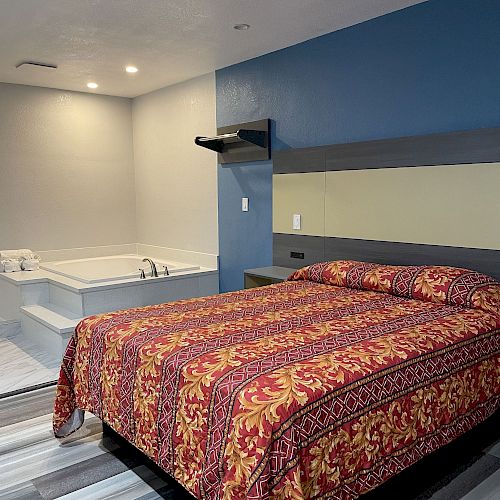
column 251, row 245
column 277, row 144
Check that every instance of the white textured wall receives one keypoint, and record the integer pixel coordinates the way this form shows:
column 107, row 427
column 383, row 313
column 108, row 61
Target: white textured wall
column 176, row 181
column 66, row 169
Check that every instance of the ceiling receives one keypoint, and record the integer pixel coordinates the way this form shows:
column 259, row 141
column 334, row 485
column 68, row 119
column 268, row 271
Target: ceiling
column 168, row 40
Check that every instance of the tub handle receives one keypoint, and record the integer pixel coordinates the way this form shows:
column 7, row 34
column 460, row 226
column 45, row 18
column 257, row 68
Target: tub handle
column 165, row 271
column 143, row 274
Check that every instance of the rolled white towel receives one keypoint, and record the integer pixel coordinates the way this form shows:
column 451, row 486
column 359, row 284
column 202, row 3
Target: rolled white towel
column 10, row 265
column 22, row 253
column 30, row 264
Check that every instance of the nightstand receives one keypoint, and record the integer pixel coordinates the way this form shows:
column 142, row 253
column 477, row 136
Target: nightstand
column 261, row 276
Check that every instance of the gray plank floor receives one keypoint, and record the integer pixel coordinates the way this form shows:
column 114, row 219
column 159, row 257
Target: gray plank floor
column 23, row 364
column 86, row 465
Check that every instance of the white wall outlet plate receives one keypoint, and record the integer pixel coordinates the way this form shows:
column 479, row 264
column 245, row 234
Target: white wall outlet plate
column 244, row 204
column 296, row 221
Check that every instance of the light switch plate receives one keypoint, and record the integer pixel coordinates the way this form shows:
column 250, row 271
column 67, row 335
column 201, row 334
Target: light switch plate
column 244, row 204
column 296, row 221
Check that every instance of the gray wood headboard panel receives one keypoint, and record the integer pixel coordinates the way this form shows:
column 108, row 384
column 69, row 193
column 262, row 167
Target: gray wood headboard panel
column 475, row 146
column 457, row 148
column 317, row 249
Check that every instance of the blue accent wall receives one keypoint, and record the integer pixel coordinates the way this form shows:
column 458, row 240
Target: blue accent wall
column 433, row 67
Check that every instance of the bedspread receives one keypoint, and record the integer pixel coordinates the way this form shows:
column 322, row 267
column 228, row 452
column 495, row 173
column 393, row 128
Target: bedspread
column 302, row 389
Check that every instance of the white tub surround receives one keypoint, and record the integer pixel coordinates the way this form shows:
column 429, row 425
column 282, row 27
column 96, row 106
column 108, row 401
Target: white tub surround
column 118, row 267
column 22, row 288
column 207, row 260
column 50, row 305
column 201, row 259
column 86, row 252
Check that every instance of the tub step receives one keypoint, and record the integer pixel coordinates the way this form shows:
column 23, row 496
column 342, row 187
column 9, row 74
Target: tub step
column 56, row 318
column 49, row 326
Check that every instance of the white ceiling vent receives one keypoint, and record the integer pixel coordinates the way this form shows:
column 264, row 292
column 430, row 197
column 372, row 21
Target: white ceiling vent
column 34, row 67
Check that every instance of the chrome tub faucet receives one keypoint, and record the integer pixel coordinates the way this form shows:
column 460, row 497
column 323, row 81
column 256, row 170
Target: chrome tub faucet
column 154, row 272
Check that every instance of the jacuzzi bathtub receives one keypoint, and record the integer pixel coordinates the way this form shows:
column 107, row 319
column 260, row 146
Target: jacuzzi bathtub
column 116, row 267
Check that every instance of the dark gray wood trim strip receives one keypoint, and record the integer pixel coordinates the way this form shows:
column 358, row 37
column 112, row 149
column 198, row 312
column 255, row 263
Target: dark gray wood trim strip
column 383, row 252
column 312, row 248
column 477, row 146
column 387, row 252
column 474, row 146
column 293, row 161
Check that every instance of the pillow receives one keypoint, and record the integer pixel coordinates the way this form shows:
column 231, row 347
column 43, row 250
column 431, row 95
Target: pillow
column 442, row 284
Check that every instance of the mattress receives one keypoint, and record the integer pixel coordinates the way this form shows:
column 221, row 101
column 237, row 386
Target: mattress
column 325, row 385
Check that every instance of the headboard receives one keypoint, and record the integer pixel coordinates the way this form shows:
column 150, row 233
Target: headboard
column 431, row 199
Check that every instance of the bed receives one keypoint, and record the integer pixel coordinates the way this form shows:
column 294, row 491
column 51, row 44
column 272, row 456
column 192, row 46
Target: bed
column 323, row 386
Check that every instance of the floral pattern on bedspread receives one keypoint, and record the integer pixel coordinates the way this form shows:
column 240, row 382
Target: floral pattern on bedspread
column 443, row 284
column 292, row 391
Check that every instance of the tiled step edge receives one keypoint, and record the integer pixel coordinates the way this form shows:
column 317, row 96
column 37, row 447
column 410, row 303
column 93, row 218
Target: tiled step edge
column 56, row 318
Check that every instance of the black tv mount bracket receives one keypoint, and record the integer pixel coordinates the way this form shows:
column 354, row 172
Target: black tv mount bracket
column 218, row 143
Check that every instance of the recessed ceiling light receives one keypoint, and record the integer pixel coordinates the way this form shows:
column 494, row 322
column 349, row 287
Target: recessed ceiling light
column 92, row 85
column 131, row 69
column 241, row 27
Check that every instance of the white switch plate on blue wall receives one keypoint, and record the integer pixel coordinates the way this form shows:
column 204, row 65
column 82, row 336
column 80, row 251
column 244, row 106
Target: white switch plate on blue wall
column 244, row 204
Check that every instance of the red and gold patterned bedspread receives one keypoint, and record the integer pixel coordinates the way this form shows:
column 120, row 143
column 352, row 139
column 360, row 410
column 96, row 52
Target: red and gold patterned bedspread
column 297, row 390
